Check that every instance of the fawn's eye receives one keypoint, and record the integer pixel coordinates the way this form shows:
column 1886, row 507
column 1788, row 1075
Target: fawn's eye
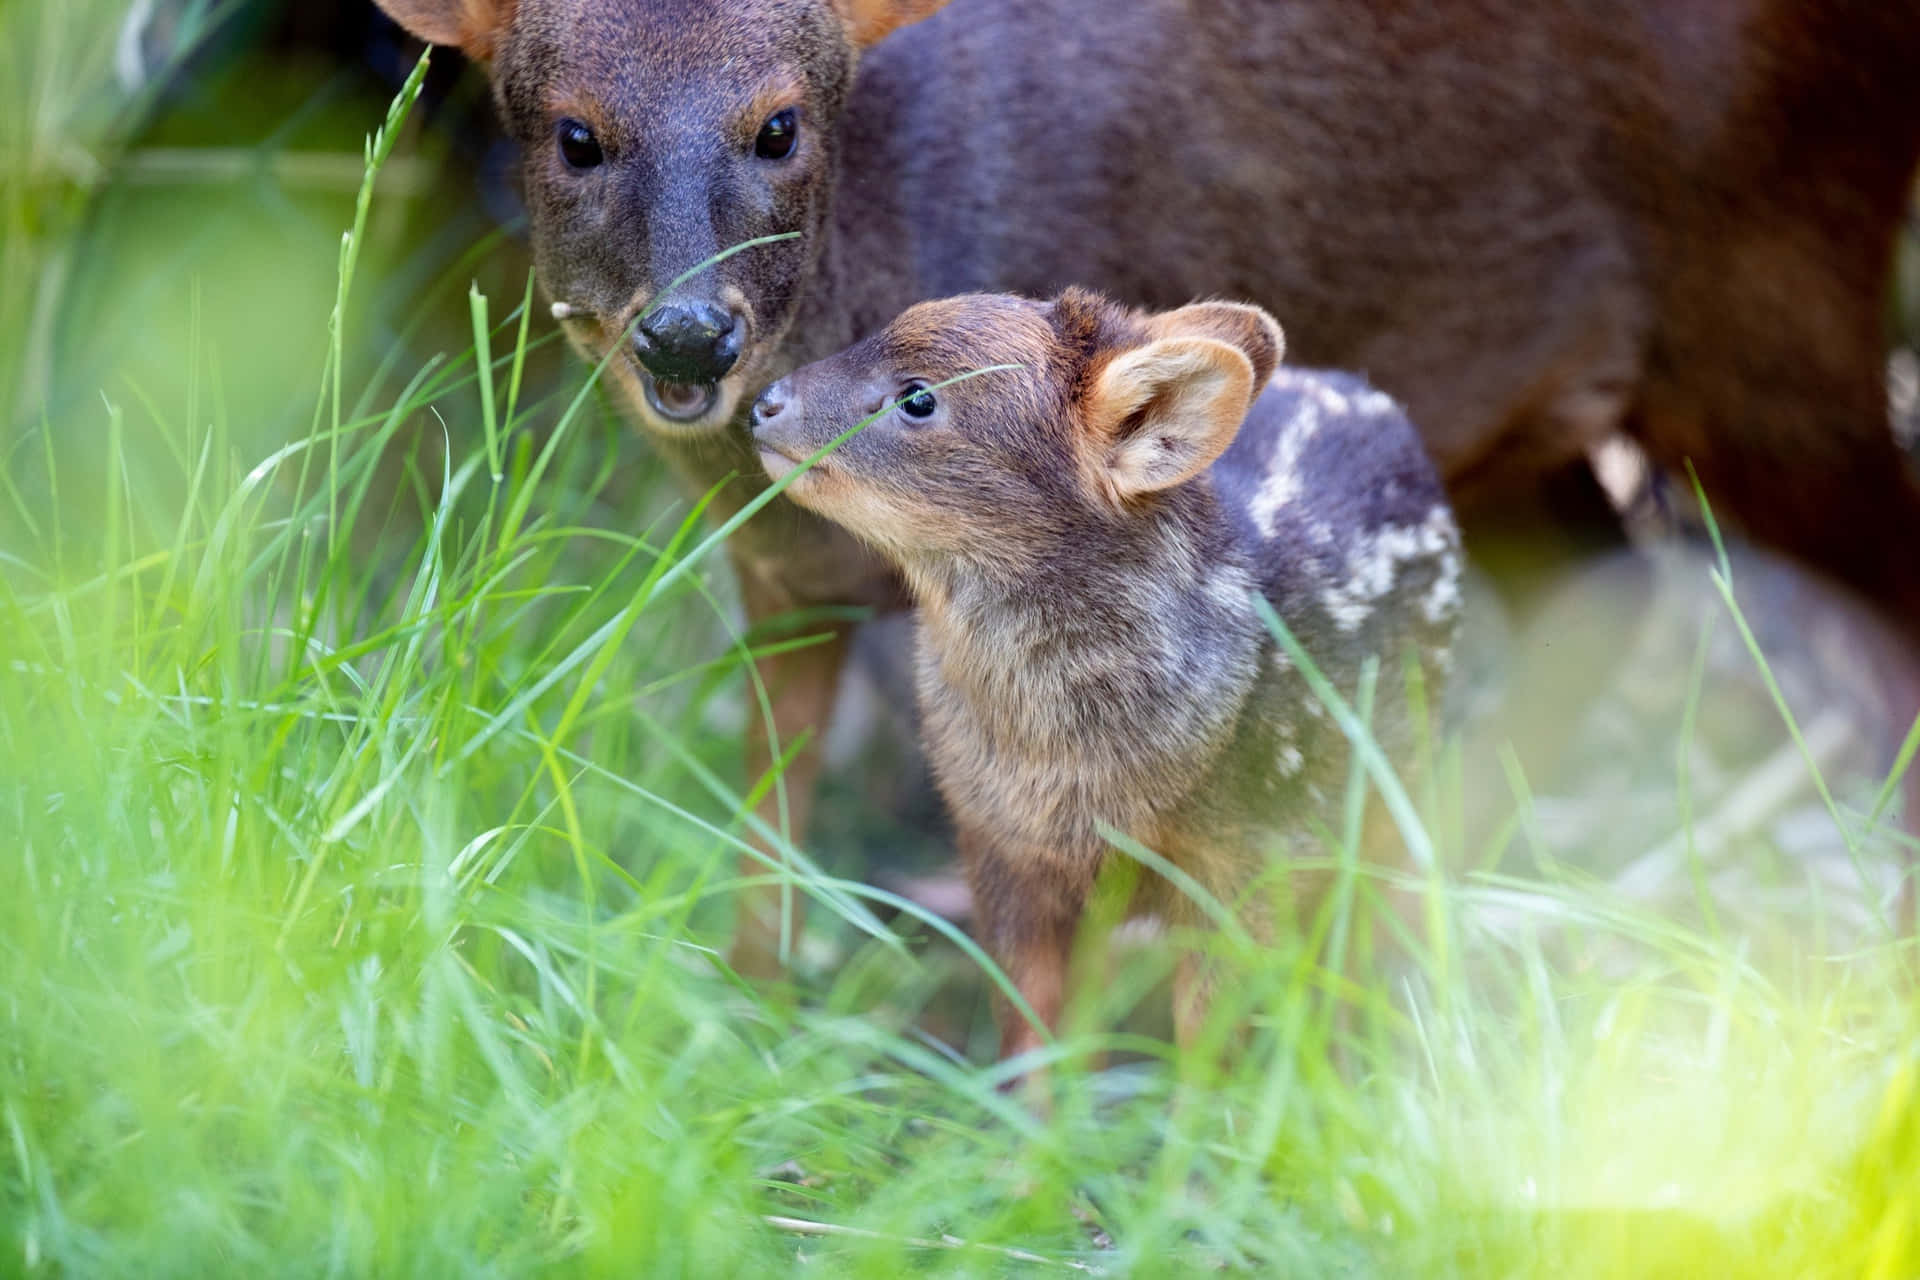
column 578, row 147
column 777, row 136
column 917, row 402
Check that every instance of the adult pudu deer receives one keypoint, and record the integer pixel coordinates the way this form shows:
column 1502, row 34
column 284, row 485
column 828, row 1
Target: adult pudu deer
column 1536, row 223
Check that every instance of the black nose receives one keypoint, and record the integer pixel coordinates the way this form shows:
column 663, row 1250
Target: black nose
column 771, row 404
column 688, row 342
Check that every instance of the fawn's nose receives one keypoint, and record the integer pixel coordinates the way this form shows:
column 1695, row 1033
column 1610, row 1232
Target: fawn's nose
column 688, row 342
column 771, row 404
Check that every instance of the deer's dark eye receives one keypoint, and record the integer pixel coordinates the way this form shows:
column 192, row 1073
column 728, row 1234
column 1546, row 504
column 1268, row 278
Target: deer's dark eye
column 777, row 136
column 578, row 147
column 917, row 402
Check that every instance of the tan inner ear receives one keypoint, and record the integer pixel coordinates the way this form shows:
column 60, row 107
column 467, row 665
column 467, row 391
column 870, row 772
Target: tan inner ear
column 1160, row 414
column 471, row 26
column 1245, row 326
column 869, row 21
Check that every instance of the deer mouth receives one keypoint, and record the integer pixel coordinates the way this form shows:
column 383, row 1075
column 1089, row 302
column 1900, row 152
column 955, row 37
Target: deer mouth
column 777, row 461
column 679, row 401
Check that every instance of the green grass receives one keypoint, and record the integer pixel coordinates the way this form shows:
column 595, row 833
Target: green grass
column 369, row 822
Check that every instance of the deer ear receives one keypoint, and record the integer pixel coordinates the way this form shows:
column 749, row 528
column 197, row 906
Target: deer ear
column 1256, row 333
column 869, row 20
column 1158, row 415
column 472, row 26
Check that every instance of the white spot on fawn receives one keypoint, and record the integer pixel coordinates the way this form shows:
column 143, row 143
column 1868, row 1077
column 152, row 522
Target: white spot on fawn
column 1443, row 601
column 562, row 310
column 1282, row 482
column 1290, row 759
column 1374, row 567
column 1319, row 400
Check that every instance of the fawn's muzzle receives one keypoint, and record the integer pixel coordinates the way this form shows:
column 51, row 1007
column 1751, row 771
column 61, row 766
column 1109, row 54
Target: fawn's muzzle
column 777, row 432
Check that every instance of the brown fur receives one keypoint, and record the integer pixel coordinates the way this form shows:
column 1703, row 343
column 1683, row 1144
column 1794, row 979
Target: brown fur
column 1535, row 222
column 1090, row 652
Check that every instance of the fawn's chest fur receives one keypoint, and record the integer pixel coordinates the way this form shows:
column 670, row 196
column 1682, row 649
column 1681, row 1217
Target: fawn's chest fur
column 1100, row 687
column 1124, row 678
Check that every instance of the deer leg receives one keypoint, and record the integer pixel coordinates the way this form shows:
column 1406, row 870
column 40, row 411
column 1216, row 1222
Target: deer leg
column 1027, row 911
column 800, row 684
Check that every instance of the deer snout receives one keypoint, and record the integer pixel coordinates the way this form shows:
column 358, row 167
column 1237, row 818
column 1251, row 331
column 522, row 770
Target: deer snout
column 689, row 342
column 771, row 404
column 778, row 431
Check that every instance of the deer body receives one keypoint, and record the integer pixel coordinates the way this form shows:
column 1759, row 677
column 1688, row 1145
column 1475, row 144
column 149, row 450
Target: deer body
column 1535, row 223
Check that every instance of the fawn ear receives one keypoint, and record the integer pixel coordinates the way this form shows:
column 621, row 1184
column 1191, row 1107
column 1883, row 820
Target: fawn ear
column 868, row 20
column 472, row 26
column 1160, row 414
column 1256, row 333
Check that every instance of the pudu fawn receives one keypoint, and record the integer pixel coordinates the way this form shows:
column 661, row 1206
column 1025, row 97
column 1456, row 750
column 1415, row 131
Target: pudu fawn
column 1084, row 535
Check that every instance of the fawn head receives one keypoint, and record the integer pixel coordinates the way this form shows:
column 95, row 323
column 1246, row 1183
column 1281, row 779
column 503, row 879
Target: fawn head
column 1104, row 411
column 655, row 134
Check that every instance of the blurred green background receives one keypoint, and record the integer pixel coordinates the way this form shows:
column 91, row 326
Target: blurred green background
column 176, row 178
